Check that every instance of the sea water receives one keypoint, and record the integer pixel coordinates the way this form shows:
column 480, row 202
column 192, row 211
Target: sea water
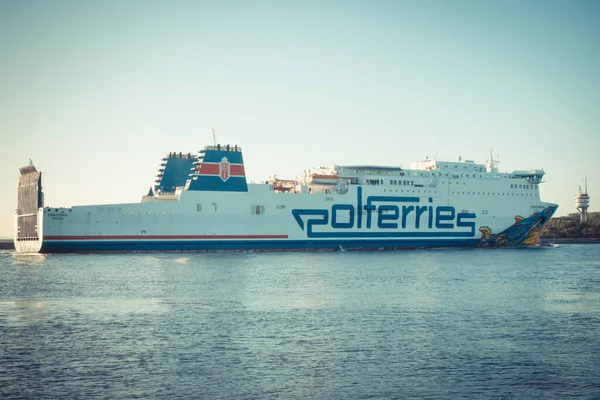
column 512, row 323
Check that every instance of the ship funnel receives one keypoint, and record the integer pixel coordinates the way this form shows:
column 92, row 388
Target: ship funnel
column 219, row 168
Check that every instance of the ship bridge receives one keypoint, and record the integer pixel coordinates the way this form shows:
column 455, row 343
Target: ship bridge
column 435, row 165
column 531, row 176
column 359, row 170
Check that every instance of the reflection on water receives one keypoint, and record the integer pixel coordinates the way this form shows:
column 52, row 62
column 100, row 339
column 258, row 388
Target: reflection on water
column 28, row 259
column 586, row 303
column 31, row 312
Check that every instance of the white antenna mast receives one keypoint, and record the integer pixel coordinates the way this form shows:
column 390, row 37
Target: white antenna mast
column 492, row 165
column 214, row 138
column 586, row 181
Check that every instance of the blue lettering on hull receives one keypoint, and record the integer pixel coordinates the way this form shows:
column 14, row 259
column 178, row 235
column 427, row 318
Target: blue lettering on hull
column 391, row 216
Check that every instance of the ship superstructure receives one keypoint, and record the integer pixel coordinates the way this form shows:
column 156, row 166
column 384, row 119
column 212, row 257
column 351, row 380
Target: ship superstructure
column 204, row 203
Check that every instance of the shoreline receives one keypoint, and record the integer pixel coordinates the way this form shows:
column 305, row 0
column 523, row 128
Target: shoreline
column 570, row 240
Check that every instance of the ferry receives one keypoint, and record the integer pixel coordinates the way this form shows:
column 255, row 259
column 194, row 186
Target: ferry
column 203, row 202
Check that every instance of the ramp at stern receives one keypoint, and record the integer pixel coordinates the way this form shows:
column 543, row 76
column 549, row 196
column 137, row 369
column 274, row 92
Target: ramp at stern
column 28, row 217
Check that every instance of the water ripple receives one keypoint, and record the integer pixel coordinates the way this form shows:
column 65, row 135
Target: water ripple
column 427, row 324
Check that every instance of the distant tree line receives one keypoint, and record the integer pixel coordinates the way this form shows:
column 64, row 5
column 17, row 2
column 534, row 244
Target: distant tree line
column 571, row 227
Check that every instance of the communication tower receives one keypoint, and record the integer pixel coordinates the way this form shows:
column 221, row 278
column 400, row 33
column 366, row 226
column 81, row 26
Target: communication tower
column 582, row 201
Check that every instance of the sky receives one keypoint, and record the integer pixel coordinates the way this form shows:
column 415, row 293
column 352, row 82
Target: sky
column 96, row 93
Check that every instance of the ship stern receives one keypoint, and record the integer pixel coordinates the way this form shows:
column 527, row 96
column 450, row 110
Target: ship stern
column 28, row 220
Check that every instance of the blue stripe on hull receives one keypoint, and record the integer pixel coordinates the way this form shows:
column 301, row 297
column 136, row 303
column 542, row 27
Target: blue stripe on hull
column 86, row 246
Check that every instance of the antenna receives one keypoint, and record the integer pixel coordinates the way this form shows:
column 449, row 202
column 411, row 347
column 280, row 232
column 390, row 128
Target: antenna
column 214, row 137
column 492, row 165
column 582, row 201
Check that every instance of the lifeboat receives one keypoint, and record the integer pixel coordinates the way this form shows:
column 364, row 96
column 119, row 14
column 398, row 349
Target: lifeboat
column 284, row 185
column 324, row 179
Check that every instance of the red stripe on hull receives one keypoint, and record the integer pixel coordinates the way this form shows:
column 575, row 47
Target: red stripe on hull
column 173, row 237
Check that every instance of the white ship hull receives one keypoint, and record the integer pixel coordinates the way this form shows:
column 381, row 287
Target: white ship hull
column 439, row 212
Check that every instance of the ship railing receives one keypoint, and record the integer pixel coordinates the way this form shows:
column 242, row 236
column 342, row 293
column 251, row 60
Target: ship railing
column 178, row 155
column 223, row 147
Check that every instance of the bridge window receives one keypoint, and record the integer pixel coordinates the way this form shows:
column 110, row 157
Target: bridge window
column 199, row 207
